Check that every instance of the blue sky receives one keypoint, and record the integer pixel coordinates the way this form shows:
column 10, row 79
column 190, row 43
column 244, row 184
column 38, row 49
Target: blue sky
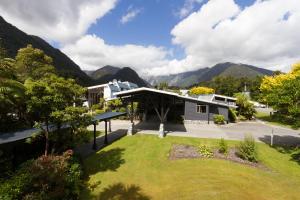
column 161, row 37
column 150, row 27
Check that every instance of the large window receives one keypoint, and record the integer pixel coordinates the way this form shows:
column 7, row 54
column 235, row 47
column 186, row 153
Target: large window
column 201, row 108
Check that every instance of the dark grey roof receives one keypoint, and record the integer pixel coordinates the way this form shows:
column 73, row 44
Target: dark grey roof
column 108, row 115
column 23, row 134
column 19, row 135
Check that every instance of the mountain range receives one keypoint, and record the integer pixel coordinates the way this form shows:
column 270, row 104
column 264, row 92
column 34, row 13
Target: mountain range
column 13, row 39
column 109, row 73
column 187, row 79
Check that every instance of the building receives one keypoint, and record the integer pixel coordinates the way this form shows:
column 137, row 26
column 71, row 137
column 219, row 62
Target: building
column 219, row 98
column 163, row 105
column 107, row 91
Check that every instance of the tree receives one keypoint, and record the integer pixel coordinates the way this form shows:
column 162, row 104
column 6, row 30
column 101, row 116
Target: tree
column 11, row 93
column 245, row 108
column 114, row 104
column 33, row 63
column 228, row 85
column 276, row 92
column 201, row 90
column 163, row 86
column 75, row 117
column 49, row 95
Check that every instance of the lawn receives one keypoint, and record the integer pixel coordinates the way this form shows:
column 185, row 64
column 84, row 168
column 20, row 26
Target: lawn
column 138, row 167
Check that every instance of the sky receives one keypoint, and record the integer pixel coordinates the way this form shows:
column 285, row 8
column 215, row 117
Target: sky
column 162, row 37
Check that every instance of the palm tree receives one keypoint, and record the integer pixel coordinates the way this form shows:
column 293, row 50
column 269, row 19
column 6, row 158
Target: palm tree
column 12, row 92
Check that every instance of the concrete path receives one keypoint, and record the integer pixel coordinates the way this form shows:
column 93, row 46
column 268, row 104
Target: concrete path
column 234, row 131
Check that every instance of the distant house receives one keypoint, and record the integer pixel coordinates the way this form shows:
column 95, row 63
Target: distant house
column 219, row 98
column 107, row 91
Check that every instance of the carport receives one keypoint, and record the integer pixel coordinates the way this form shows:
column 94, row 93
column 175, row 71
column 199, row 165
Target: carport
column 106, row 117
column 27, row 133
column 160, row 101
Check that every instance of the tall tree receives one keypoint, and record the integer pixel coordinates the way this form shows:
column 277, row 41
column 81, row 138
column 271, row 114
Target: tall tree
column 33, row 63
column 49, row 95
column 11, row 92
column 282, row 93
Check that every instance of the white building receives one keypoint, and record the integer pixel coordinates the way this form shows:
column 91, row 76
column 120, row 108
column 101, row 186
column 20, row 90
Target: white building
column 216, row 98
column 107, row 91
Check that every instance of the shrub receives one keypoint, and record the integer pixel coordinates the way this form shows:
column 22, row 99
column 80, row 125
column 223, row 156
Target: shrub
column 247, row 149
column 201, row 90
column 232, row 115
column 219, row 119
column 99, row 111
column 223, row 147
column 242, row 118
column 48, row 177
column 96, row 107
column 205, row 151
column 245, row 107
column 14, row 187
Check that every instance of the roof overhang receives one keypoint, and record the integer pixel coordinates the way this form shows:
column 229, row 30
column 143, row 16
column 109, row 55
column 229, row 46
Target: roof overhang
column 141, row 90
column 97, row 86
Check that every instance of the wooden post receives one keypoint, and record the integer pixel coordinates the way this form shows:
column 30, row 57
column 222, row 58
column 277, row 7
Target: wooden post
column 94, row 144
column 105, row 137
column 131, row 111
column 208, row 114
column 161, row 132
column 109, row 126
column 161, row 109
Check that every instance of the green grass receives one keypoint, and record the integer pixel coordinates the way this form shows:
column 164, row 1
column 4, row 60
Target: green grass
column 273, row 121
column 138, row 167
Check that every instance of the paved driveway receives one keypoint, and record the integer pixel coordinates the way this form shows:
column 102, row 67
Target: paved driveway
column 235, row 131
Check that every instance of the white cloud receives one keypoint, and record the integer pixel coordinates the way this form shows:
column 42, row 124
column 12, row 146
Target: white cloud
column 265, row 34
column 57, row 20
column 130, row 15
column 188, row 7
column 91, row 53
column 262, row 34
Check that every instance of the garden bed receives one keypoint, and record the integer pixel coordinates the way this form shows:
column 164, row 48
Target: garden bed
column 183, row 151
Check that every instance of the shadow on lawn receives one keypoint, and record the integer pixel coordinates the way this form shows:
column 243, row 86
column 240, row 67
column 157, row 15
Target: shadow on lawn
column 119, row 191
column 285, row 144
column 154, row 126
column 106, row 160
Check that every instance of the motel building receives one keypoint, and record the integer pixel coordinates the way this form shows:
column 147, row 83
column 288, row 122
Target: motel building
column 163, row 106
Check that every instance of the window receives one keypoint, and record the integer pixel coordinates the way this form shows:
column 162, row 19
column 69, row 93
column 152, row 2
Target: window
column 201, row 108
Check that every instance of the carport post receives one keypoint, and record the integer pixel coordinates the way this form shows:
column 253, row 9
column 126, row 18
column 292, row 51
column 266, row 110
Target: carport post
column 161, row 132
column 94, row 144
column 208, row 114
column 131, row 126
column 105, row 137
column 109, row 126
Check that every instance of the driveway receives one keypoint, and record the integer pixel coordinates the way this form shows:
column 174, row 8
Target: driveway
column 234, row 131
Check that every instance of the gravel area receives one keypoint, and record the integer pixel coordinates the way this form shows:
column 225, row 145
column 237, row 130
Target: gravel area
column 183, row 151
column 180, row 151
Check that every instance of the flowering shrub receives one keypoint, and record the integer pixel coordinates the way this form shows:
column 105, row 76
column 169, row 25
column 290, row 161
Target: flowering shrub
column 201, row 90
column 205, row 151
column 48, row 177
